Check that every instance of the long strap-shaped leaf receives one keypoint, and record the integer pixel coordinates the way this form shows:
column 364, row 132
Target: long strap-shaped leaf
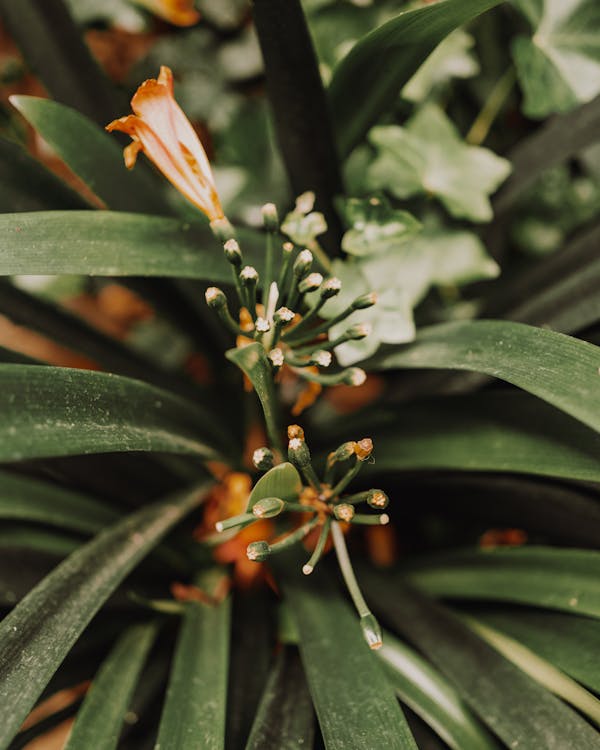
column 564, row 579
column 94, row 155
column 285, row 716
column 37, row 635
column 432, row 697
column 521, row 712
column 100, row 718
column 54, row 411
column 370, row 77
column 107, row 243
column 488, row 431
column 557, row 368
column 194, row 711
column 355, row 703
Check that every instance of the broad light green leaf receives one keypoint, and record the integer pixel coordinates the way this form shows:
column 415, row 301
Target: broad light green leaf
column 452, row 58
column 94, row 156
column 39, row 632
column 100, row 718
column 381, row 63
column 55, row 411
column 432, row 697
column 517, row 709
column 194, row 710
column 374, row 226
column 281, row 481
column 26, row 499
column 555, row 578
column 353, row 712
column 571, row 643
column 488, row 431
column 105, row 243
column 559, row 66
column 428, row 156
column 285, row 716
column 539, row 669
column 556, row 368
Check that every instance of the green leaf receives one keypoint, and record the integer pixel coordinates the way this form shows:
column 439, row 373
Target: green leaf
column 100, row 718
column 432, row 697
column 382, row 62
column 254, row 363
column 488, row 431
column 352, row 713
column 428, row 156
column 54, row 411
column 28, row 186
column 94, row 155
column 25, row 499
column 281, row 481
column 452, row 58
column 194, row 710
column 39, row 632
column 559, row 66
column 571, row 643
column 375, row 226
column 539, row 669
column 285, row 717
column 26, row 537
column 105, row 243
column 513, row 706
column 556, row 368
column 555, row 578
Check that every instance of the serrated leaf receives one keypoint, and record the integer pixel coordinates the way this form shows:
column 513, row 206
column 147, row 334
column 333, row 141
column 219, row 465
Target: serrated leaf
column 194, row 710
column 559, row 66
column 428, row 156
column 432, row 697
column 107, row 243
column 563, row 579
column 281, row 481
column 382, row 62
column 556, row 368
column 100, row 718
column 39, row 632
column 55, row 411
column 353, row 713
column 501, row 695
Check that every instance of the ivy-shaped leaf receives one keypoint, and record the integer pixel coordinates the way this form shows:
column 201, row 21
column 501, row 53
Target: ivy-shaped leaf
column 428, row 156
column 375, row 226
column 559, row 65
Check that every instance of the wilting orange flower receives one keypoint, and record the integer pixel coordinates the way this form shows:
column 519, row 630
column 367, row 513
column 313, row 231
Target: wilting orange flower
column 177, row 12
column 161, row 130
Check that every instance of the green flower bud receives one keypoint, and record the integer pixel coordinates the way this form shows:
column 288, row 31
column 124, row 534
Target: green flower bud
column 268, row 507
column 233, row 253
column 343, row 512
column 371, row 631
column 263, row 459
column 258, row 551
column 215, row 297
column 364, row 301
column 270, row 218
column 303, row 263
column 311, row 283
column 378, row 499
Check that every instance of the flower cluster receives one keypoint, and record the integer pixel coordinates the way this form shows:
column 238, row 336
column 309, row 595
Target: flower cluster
column 322, row 506
column 286, row 320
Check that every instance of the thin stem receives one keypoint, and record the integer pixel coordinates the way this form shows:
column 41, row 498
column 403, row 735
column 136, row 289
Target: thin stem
column 491, row 108
column 346, row 479
column 295, row 536
column 318, row 551
column 347, row 570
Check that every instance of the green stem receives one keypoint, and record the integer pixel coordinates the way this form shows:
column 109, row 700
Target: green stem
column 491, row 108
column 347, row 570
column 318, row 551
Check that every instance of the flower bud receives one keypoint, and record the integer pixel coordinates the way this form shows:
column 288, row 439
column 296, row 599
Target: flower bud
column 363, row 449
column 295, row 431
column 321, row 358
column 233, row 253
column 263, row 459
column 215, row 297
column 258, row 551
column 358, row 331
column 268, row 507
column 262, row 325
column 303, row 263
column 364, row 301
column 276, row 357
column 330, row 288
column 283, row 315
column 378, row 499
column 343, row 512
column 249, row 275
column 270, row 218
column 354, row 376
column 371, row 631
column 345, row 451
column 311, row 283
column 298, row 452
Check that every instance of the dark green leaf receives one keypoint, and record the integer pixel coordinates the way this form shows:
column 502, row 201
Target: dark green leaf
column 95, row 156
column 285, row 717
column 354, row 702
column 281, row 481
column 488, row 431
column 571, row 643
column 557, row 368
column 101, row 716
column 517, row 709
column 555, row 578
column 28, row 186
column 432, row 697
column 105, row 243
column 54, row 411
column 36, row 636
column 194, row 711
column 369, row 78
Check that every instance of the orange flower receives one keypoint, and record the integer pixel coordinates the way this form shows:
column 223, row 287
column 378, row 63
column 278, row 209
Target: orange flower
column 161, row 130
column 177, row 12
